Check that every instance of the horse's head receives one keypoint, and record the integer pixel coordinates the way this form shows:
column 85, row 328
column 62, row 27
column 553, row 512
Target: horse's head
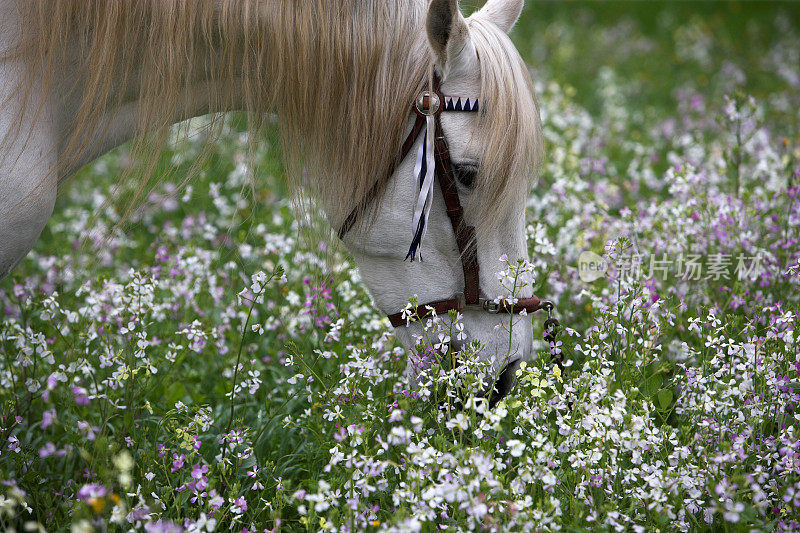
column 493, row 153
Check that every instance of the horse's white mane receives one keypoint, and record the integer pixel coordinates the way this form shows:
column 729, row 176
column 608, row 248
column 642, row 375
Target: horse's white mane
column 340, row 75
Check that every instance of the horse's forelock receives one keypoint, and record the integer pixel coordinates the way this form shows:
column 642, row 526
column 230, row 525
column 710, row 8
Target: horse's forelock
column 511, row 132
column 344, row 117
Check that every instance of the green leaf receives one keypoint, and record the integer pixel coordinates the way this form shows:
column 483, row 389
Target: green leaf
column 174, row 393
column 665, row 398
column 652, row 384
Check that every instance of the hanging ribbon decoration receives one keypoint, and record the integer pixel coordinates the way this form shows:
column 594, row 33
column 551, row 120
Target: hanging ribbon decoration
column 427, row 106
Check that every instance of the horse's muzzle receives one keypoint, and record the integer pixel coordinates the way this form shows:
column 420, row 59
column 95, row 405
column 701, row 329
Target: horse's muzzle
column 504, row 382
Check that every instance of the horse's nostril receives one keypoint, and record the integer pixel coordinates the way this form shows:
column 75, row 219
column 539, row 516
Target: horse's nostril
column 505, row 382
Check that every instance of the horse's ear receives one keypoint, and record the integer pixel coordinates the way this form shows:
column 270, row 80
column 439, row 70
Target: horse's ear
column 447, row 30
column 503, row 13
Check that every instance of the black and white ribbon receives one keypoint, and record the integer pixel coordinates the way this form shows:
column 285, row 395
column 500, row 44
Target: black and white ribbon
column 425, row 172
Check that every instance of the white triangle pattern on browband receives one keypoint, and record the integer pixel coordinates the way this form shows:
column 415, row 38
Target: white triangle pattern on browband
column 453, row 103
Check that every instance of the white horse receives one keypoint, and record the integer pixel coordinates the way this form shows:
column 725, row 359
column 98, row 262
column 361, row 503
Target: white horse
column 79, row 77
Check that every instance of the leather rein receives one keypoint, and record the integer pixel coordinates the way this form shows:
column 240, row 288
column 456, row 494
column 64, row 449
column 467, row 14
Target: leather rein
column 431, row 104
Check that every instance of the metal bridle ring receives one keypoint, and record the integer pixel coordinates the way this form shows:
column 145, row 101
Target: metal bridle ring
column 428, row 104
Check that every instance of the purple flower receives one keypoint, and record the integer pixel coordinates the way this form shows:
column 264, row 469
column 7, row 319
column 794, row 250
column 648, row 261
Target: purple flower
column 198, row 470
column 177, row 464
column 216, row 500
column 48, row 417
column 555, row 347
column 92, row 490
column 792, row 496
column 47, row 450
column 162, row 526
column 239, row 505
column 80, row 395
column 19, row 291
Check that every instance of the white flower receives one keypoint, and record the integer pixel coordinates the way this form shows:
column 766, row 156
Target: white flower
column 515, row 447
column 444, row 343
column 460, row 421
column 82, row 527
column 203, row 524
column 460, row 335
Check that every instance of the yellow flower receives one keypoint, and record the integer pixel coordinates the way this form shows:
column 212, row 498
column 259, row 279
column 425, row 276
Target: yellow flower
column 97, row 504
column 557, row 373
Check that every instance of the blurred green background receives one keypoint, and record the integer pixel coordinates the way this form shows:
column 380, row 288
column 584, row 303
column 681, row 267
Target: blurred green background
column 656, row 47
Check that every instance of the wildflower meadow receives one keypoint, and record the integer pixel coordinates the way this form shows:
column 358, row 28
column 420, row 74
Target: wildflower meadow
column 207, row 364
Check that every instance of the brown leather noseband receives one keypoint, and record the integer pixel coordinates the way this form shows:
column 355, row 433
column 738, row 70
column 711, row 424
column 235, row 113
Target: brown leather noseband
column 472, row 297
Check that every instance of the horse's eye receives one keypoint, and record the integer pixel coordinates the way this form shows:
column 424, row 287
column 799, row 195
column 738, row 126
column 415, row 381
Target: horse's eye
column 466, row 173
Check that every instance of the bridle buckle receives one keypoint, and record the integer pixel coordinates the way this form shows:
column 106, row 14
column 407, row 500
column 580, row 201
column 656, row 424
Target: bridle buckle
column 484, row 304
column 461, row 300
column 491, row 306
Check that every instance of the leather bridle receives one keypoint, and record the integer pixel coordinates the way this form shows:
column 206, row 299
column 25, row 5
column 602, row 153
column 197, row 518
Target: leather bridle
column 431, row 104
